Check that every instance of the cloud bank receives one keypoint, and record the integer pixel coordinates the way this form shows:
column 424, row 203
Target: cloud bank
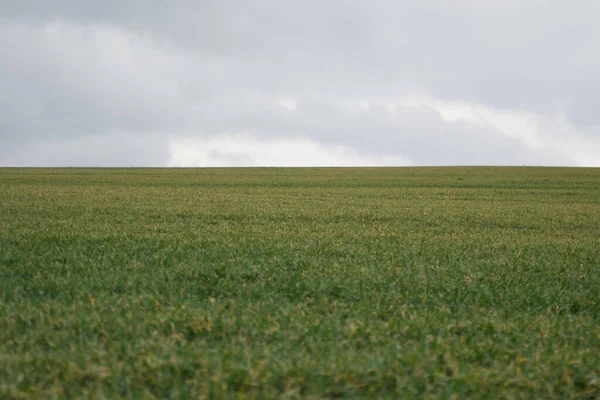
column 265, row 82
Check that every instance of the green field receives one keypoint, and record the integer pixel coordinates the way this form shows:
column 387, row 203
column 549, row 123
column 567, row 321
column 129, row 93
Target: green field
column 296, row 283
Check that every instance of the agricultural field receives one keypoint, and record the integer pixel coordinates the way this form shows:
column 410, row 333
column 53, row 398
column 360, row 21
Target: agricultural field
column 469, row 282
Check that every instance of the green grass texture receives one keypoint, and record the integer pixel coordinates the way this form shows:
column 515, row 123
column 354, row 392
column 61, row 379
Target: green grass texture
column 449, row 282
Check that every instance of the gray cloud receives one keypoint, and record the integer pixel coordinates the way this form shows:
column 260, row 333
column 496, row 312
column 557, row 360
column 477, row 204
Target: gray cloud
column 88, row 151
column 119, row 70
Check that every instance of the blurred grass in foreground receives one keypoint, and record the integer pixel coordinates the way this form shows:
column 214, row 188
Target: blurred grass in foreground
column 265, row 282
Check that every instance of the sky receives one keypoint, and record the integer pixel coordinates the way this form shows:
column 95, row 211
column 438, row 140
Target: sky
column 188, row 83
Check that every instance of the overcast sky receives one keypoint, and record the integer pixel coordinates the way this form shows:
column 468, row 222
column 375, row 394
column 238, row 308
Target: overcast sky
column 311, row 82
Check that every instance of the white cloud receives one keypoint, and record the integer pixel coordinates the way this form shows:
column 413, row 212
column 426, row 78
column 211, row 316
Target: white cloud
column 244, row 151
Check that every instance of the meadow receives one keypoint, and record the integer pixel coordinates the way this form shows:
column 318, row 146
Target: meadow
column 471, row 282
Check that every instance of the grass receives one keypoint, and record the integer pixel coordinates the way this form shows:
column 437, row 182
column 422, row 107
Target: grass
column 296, row 283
